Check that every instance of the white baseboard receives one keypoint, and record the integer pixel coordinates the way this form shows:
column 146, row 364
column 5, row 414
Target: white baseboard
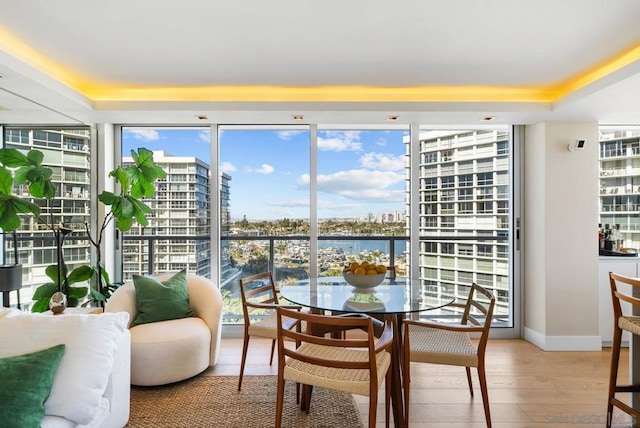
column 563, row 343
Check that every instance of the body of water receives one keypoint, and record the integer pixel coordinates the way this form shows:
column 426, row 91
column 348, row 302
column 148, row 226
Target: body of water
column 355, row 247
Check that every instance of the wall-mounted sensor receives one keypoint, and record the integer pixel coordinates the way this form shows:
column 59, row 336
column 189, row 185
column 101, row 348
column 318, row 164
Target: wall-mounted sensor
column 577, row 145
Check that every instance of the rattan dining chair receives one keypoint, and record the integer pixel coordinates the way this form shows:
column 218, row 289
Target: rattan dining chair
column 449, row 344
column 259, row 297
column 356, row 365
column 621, row 322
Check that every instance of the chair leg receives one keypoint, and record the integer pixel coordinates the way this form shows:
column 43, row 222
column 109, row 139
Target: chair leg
column 307, row 390
column 279, row 401
column 613, row 372
column 245, row 346
column 406, row 381
column 387, row 400
column 373, row 407
column 469, row 380
column 273, row 348
column 483, row 389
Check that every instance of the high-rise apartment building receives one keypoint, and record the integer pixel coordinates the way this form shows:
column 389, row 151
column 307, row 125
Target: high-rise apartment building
column 181, row 216
column 67, row 153
column 464, row 209
column 228, row 272
column 620, row 182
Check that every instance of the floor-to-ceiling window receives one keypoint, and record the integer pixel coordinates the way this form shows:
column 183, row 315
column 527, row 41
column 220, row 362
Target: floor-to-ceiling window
column 620, row 183
column 464, row 185
column 67, row 152
column 264, row 215
column 362, row 197
column 178, row 234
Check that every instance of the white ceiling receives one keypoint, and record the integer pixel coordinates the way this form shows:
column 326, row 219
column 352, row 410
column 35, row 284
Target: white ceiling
column 304, row 43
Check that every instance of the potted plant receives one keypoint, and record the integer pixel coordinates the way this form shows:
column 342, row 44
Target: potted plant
column 26, row 170
column 135, row 182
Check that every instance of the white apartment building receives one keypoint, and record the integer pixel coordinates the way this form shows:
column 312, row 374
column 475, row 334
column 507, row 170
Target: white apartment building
column 181, row 211
column 619, row 159
column 67, row 153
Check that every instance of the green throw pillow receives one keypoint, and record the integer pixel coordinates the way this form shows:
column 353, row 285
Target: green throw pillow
column 26, row 384
column 161, row 301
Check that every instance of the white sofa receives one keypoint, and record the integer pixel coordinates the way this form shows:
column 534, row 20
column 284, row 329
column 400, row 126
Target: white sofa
column 91, row 386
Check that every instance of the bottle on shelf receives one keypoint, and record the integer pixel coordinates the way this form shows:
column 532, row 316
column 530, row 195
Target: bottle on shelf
column 600, row 236
column 608, row 238
column 617, row 238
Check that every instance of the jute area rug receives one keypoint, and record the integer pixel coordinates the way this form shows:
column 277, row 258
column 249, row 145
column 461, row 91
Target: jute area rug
column 214, row 401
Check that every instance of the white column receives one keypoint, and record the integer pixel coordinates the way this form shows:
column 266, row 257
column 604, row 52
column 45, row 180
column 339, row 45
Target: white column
column 560, row 221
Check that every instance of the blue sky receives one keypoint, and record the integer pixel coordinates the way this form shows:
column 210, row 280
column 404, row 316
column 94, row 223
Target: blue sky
column 359, row 172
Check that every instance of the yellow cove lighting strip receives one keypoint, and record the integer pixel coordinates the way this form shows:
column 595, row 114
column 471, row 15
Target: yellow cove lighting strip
column 109, row 92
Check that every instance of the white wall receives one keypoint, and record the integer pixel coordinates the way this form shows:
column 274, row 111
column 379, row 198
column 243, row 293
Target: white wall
column 560, row 237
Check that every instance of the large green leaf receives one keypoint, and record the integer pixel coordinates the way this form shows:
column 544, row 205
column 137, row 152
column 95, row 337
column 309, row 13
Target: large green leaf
column 35, row 156
column 45, row 291
column 6, row 181
column 98, row 296
column 122, row 177
column 105, row 274
column 108, row 198
column 144, row 173
column 10, row 207
column 148, row 169
column 13, row 158
column 127, row 208
column 29, row 170
column 140, row 211
column 42, row 305
column 124, row 224
column 79, row 274
column 77, row 292
column 52, row 272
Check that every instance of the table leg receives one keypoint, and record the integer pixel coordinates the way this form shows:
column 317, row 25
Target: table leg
column 397, row 393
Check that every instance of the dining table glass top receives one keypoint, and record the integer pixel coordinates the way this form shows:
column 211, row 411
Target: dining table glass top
column 334, row 294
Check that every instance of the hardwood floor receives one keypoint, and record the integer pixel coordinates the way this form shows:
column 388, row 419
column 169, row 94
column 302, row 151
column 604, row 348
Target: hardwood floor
column 528, row 387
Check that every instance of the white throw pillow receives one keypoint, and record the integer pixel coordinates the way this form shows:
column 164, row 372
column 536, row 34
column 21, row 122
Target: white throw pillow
column 84, row 370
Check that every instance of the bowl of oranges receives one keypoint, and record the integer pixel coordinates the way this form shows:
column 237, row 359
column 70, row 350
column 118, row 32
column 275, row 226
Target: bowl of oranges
column 364, row 274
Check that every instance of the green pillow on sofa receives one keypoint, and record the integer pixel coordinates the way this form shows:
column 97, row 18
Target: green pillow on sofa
column 161, row 300
column 26, row 384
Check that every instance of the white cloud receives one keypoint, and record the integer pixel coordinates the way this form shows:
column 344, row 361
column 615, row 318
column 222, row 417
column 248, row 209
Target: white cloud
column 360, row 184
column 383, row 161
column 338, row 141
column 264, row 169
column 287, row 135
column 227, row 167
column 337, row 206
column 322, row 204
column 380, row 142
column 376, row 195
column 144, row 134
column 204, row 136
column 288, row 204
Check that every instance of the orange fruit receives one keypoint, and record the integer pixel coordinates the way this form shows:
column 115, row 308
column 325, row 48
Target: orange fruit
column 372, row 272
column 381, row 269
column 364, row 264
column 360, row 271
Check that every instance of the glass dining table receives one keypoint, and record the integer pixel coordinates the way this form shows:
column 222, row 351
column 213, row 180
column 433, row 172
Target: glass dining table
column 392, row 301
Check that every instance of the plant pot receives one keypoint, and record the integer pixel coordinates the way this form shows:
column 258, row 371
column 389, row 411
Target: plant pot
column 10, row 278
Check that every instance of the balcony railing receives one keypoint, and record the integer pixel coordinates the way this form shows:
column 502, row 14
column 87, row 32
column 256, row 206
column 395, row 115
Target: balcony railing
column 288, row 258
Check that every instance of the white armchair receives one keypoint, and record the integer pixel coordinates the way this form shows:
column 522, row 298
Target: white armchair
column 169, row 351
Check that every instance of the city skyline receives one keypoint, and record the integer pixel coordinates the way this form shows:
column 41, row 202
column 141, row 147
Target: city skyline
column 359, row 172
